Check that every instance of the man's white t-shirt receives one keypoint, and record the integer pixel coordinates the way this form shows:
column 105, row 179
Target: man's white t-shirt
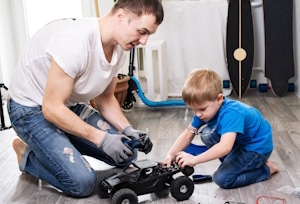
column 75, row 46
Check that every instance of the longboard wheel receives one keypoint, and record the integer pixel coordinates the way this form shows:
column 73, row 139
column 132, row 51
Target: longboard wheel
column 226, row 84
column 253, row 84
column 291, row 87
column 263, row 87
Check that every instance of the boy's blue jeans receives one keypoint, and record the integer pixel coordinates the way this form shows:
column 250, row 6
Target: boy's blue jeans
column 239, row 167
column 56, row 156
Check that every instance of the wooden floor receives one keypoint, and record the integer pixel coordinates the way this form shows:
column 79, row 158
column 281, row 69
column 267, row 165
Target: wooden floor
column 164, row 125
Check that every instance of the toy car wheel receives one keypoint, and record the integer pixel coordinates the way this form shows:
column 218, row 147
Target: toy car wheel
column 102, row 192
column 182, row 188
column 125, row 196
column 188, row 170
column 163, row 193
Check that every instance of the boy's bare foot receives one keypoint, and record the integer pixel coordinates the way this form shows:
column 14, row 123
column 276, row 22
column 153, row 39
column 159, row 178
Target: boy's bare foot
column 272, row 167
column 19, row 147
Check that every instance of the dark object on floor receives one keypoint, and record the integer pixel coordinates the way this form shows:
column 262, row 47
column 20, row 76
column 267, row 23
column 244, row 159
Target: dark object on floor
column 3, row 126
column 199, row 178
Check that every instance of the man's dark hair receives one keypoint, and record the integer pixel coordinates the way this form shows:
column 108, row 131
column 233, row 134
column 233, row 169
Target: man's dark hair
column 140, row 7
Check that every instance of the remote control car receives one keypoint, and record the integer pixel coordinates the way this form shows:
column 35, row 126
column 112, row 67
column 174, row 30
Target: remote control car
column 143, row 143
column 147, row 176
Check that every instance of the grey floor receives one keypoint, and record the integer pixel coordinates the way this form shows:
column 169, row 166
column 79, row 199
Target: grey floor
column 164, row 125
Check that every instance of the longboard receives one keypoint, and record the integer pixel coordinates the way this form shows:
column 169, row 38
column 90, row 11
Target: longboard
column 279, row 56
column 240, row 45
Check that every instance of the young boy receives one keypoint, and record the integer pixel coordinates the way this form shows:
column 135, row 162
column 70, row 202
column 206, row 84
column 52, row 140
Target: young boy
column 235, row 133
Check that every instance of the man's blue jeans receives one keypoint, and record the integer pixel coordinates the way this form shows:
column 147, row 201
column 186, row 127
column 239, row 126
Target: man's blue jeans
column 56, row 156
column 239, row 167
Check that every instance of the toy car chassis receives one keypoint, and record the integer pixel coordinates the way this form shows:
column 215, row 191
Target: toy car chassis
column 146, row 176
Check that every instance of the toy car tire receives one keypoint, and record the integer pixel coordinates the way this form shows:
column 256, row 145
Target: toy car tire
column 125, row 195
column 102, row 192
column 182, row 188
column 162, row 193
column 188, row 170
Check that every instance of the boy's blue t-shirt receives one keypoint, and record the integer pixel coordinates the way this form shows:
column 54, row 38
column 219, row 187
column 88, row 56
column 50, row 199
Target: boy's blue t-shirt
column 254, row 132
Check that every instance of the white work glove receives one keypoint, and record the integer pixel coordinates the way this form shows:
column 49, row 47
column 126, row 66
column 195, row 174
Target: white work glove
column 114, row 147
column 130, row 132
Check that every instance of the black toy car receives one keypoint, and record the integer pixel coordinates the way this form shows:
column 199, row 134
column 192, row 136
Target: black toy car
column 146, row 176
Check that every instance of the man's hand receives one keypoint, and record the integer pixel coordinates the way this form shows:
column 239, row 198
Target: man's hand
column 114, row 147
column 129, row 131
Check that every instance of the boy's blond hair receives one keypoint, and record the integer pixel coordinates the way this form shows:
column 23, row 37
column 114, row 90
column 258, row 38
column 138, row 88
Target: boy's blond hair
column 201, row 85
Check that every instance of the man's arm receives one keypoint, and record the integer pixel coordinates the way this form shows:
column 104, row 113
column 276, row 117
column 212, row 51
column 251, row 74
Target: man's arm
column 108, row 106
column 57, row 91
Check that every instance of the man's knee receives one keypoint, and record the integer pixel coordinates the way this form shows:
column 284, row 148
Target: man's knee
column 83, row 185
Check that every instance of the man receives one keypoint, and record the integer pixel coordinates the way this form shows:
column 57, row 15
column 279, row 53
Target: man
column 67, row 63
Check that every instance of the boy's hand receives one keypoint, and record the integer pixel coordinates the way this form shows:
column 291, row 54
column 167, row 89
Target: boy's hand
column 185, row 159
column 168, row 160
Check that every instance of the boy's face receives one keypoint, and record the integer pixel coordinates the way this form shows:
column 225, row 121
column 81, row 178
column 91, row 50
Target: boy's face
column 135, row 30
column 208, row 109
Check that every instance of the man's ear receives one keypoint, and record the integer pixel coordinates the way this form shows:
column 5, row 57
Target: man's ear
column 120, row 14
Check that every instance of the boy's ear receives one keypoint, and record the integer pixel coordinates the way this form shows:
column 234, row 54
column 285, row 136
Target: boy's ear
column 220, row 97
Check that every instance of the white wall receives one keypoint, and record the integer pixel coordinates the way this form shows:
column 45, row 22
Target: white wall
column 14, row 35
column 9, row 41
column 104, row 7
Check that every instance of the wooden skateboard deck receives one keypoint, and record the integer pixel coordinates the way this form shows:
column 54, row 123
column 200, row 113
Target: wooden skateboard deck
column 279, row 56
column 240, row 45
